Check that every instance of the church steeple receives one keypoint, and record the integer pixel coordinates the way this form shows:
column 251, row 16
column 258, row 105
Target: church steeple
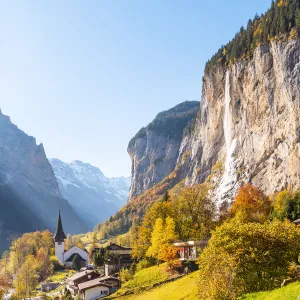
column 59, row 235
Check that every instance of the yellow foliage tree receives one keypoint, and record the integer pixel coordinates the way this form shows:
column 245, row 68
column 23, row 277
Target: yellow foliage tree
column 26, row 278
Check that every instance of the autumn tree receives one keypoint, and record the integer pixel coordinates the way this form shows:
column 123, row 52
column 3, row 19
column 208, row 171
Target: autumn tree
column 4, row 286
column 141, row 239
column 162, row 237
column 194, row 212
column 251, row 204
column 247, row 257
column 44, row 266
column 26, row 278
column 286, row 205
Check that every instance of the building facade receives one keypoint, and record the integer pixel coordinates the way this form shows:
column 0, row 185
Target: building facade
column 66, row 256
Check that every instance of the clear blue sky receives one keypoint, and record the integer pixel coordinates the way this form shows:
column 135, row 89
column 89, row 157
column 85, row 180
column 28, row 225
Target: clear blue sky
column 84, row 76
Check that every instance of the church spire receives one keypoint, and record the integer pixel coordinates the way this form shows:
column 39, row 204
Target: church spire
column 59, row 235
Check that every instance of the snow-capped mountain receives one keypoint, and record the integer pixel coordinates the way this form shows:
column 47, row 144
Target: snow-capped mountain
column 94, row 196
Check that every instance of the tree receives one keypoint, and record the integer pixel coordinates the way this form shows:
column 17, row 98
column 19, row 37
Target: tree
column 194, row 212
column 100, row 257
column 4, row 286
column 76, row 262
column 297, row 20
column 44, row 266
column 247, row 257
column 282, row 205
column 251, row 204
column 141, row 239
column 26, row 278
column 156, row 239
column 162, row 237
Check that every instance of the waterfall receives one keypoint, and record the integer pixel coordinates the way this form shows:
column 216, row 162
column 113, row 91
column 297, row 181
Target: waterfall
column 229, row 177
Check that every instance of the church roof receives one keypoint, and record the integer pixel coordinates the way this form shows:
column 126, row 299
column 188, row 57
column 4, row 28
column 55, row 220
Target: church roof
column 59, row 235
column 73, row 255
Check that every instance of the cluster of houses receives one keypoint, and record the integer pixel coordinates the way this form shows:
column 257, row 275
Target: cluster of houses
column 91, row 285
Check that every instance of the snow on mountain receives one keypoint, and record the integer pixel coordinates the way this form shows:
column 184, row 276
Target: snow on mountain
column 94, row 196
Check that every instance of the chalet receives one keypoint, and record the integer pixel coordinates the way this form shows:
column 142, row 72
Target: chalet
column 66, row 256
column 99, row 287
column 123, row 260
column 78, row 278
column 190, row 250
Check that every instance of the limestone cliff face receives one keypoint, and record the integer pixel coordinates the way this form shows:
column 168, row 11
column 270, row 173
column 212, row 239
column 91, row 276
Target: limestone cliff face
column 247, row 129
column 22, row 160
column 249, row 124
column 154, row 150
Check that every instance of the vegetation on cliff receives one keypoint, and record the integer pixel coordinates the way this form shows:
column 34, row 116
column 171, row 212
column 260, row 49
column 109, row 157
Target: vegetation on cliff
column 282, row 20
column 171, row 123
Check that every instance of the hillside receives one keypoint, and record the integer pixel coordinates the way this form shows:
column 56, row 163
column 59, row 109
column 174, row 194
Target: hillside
column 289, row 292
column 29, row 193
column 93, row 196
column 183, row 288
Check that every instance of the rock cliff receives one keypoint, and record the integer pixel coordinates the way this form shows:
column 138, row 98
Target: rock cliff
column 154, row 150
column 248, row 129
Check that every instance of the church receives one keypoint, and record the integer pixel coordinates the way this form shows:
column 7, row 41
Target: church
column 66, row 256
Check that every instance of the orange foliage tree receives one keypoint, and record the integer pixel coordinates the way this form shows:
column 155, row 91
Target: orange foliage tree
column 251, row 204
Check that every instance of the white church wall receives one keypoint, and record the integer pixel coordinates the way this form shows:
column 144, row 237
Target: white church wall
column 59, row 251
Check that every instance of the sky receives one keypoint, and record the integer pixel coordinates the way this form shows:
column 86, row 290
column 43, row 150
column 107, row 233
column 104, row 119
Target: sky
column 83, row 77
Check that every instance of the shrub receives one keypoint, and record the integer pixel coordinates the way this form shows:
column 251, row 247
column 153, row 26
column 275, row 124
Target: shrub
column 247, row 257
column 125, row 275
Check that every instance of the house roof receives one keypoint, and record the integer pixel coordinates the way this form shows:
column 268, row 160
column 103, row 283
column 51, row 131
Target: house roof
column 92, row 283
column 118, row 246
column 73, row 255
column 59, row 235
column 121, row 252
column 80, row 274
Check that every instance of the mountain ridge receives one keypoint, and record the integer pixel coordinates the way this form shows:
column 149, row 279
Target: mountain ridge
column 94, row 196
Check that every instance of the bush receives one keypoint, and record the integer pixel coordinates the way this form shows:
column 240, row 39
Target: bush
column 247, row 257
column 125, row 275
column 56, row 263
column 145, row 263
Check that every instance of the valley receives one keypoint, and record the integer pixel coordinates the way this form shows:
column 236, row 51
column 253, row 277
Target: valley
column 211, row 209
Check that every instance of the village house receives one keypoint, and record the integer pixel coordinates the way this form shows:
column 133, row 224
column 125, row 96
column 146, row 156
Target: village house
column 99, row 287
column 190, row 250
column 78, row 278
column 123, row 259
column 66, row 256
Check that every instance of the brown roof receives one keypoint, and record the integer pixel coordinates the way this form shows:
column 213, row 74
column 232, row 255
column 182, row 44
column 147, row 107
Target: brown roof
column 121, row 252
column 80, row 274
column 92, row 283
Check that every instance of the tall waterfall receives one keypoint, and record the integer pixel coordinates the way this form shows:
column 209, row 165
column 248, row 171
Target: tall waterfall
column 229, row 177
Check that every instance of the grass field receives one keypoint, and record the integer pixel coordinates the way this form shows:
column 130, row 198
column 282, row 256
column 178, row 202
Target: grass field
column 181, row 289
column 145, row 279
column 289, row 292
column 59, row 276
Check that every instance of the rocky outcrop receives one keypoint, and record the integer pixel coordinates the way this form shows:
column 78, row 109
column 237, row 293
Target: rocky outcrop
column 29, row 193
column 249, row 124
column 93, row 196
column 154, row 150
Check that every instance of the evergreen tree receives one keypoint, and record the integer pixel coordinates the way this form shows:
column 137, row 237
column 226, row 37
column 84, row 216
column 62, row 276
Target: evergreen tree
column 297, row 20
